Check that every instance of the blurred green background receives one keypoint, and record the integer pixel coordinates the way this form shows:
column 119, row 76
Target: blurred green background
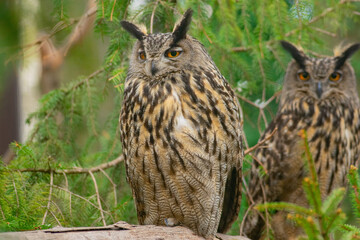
column 78, row 50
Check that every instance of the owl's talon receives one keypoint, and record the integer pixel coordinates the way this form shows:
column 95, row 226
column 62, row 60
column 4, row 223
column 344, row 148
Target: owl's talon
column 171, row 222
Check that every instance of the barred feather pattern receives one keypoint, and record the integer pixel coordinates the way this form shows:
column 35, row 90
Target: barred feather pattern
column 332, row 124
column 182, row 141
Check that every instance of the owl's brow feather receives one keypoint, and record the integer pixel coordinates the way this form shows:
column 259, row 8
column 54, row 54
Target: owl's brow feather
column 182, row 28
column 133, row 29
column 346, row 54
column 299, row 56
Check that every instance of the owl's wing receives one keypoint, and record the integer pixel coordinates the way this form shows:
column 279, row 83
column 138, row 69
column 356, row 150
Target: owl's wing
column 232, row 200
column 233, row 187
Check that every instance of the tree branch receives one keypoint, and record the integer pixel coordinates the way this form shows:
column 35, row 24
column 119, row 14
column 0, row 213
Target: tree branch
column 73, row 170
column 249, row 150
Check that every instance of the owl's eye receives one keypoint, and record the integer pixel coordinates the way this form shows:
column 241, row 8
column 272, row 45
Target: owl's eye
column 142, row 55
column 335, row 76
column 172, row 53
column 304, row 76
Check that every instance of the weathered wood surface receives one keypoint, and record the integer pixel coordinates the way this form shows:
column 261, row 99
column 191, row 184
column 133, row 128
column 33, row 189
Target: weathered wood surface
column 117, row 231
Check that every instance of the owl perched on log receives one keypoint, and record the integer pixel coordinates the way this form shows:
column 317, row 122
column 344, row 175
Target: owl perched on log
column 320, row 97
column 181, row 133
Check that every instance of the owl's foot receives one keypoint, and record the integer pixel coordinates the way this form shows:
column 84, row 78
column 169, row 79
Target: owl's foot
column 171, row 222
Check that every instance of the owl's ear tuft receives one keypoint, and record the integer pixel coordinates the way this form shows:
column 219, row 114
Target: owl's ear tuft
column 346, row 54
column 182, row 26
column 297, row 54
column 133, row 29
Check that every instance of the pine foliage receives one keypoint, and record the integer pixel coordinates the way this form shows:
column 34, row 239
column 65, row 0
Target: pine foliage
column 69, row 172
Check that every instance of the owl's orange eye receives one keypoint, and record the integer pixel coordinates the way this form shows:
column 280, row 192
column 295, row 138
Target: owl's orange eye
column 142, row 55
column 304, row 76
column 335, row 76
column 172, row 54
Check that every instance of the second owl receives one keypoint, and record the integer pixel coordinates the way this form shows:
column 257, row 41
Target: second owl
column 319, row 96
column 181, row 133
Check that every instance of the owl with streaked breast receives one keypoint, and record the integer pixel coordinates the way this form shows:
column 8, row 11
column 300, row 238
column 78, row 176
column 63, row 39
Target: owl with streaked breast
column 319, row 96
column 181, row 133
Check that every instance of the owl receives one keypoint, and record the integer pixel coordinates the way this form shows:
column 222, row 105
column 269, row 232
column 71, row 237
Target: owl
column 319, row 96
column 181, row 133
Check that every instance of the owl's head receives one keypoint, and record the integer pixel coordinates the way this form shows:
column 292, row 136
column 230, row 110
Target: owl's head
column 319, row 78
column 156, row 55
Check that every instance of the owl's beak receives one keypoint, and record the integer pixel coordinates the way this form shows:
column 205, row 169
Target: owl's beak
column 319, row 89
column 152, row 68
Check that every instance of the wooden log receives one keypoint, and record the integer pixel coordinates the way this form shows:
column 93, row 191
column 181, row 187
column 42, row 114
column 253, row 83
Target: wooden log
column 120, row 230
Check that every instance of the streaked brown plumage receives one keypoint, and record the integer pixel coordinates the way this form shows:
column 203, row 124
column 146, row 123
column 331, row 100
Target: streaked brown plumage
column 316, row 99
column 181, row 133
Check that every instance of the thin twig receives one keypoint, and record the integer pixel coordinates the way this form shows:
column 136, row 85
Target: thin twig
column 262, row 114
column 49, row 199
column 16, row 194
column 244, row 218
column 152, row 16
column 112, row 183
column 57, row 220
column 102, row 8
column 86, row 200
column 72, row 170
column 324, row 32
column 93, row 126
column 67, row 187
column 316, row 54
column 112, row 11
column 276, row 57
column 202, row 27
column 249, row 150
column 299, row 17
column 58, row 208
column 240, row 49
column 98, row 197
column 2, row 213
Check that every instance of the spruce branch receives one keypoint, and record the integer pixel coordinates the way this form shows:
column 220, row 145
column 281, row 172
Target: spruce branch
column 323, row 14
column 76, row 170
column 285, row 206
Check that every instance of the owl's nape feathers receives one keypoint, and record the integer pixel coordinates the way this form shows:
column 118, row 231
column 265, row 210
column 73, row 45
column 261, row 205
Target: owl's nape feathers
column 320, row 96
column 181, row 133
